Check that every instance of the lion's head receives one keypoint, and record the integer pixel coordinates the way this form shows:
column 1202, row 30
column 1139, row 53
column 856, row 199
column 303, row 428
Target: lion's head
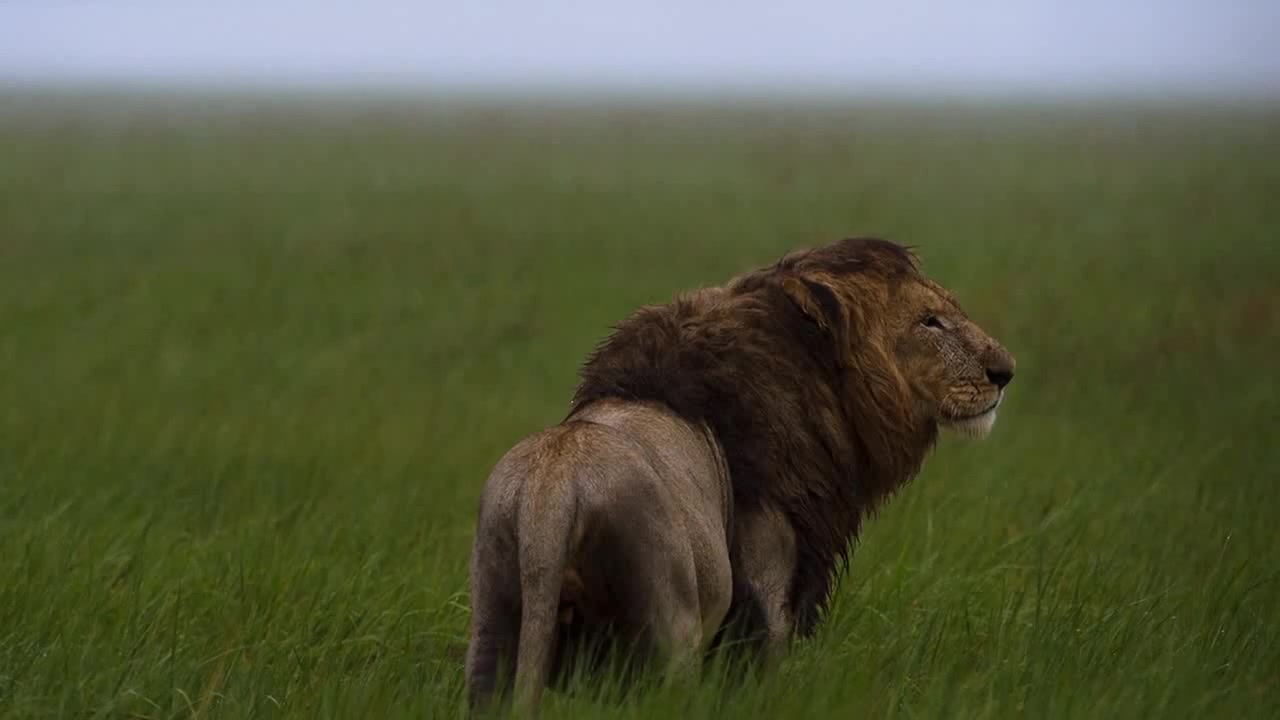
column 905, row 331
column 956, row 371
column 824, row 376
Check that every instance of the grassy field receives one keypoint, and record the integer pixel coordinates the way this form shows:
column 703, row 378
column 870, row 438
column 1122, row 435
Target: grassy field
column 255, row 363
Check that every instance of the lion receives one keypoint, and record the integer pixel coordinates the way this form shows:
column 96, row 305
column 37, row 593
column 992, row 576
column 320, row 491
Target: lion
column 718, row 458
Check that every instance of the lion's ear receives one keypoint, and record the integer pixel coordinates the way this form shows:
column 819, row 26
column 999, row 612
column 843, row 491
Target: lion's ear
column 817, row 301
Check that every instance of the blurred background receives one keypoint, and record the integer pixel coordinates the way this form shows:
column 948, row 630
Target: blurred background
column 280, row 281
column 914, row 47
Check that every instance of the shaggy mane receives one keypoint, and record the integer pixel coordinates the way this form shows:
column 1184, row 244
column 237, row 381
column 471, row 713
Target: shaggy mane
column 810, row 414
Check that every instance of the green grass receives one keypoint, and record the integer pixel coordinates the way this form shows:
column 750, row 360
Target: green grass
column 255, row 365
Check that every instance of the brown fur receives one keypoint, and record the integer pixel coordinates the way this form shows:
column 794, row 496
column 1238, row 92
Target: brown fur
column 789, row 373
column 820, row 383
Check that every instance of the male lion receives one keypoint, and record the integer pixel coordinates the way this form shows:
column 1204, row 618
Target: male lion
column 718, row 458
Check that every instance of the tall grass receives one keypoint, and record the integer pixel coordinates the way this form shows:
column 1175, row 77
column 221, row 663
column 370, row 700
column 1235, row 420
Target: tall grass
column 255, row 364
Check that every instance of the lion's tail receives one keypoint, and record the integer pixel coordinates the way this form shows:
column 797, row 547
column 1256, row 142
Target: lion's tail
column 548, row 512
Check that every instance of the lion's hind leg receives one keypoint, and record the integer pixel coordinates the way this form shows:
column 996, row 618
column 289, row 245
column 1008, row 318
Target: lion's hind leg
column 494, row 641
column 655, row 584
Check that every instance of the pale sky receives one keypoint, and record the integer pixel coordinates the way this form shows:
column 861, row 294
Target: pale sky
column 1034, row 44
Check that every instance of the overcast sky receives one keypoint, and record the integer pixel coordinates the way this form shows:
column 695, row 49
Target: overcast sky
column 899, row 43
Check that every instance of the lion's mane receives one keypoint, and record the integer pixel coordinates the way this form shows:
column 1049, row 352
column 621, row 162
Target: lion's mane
column 786, row 365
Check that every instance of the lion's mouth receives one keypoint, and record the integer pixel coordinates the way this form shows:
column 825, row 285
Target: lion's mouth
column 981, row 413
column 977, row 424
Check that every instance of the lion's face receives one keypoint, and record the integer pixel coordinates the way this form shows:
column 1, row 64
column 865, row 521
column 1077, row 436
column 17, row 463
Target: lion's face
column 956, row 372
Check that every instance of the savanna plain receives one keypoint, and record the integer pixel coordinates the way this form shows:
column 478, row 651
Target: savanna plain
column 257, row 357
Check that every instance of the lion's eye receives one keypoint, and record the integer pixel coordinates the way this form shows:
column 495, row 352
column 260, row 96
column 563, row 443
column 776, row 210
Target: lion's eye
column 932, row 321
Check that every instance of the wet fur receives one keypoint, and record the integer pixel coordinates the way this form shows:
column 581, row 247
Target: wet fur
column 785, row 369
column 786, row 420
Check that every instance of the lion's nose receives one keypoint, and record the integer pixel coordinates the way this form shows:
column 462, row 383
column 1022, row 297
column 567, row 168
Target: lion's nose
column 1000, row 372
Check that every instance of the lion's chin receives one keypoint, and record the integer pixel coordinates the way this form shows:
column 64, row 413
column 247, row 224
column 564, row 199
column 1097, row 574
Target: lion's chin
column 975, row 426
